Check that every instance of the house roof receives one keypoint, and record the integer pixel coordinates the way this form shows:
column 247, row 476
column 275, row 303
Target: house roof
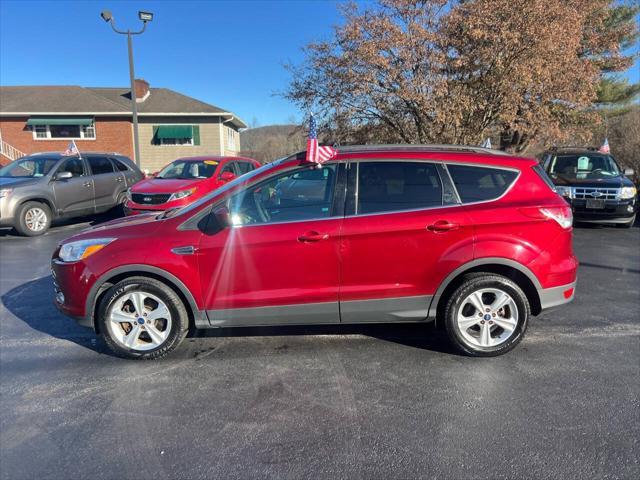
column 73, row 100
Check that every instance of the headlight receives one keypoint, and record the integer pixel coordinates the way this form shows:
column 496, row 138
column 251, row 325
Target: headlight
column 4, row 192
column 566, row 192
column 625, row 192
column 74, row 251
column 181, row 194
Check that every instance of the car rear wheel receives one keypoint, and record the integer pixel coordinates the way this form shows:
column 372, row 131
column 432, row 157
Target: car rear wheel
column 33, row 219
column 142, row 318
column 486, row 315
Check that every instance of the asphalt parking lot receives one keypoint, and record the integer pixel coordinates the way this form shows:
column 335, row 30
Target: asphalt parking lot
column 343, row 402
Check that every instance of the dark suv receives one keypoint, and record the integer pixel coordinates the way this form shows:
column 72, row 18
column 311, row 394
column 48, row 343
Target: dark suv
column 38, row 188
column 593, row 183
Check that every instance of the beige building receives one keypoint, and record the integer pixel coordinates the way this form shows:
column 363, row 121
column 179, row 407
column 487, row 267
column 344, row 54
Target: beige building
column 171, row 125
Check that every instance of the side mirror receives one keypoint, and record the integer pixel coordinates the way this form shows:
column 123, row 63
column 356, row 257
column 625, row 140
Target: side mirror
column 628, row 172
column 223, row 216
column 226, row 176
column 64, row 176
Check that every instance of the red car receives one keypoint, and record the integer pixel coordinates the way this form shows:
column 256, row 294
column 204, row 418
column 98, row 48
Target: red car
column 476, row 239
column 183, row 181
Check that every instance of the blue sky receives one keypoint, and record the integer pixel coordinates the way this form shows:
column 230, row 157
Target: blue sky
column 226, row 53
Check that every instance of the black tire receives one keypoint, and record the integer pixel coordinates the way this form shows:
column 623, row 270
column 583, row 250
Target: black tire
column 21, row 219
column 474, row 282
column 179, row 317
column 118, row 209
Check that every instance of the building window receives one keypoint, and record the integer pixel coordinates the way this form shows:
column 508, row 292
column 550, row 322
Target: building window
column 176, row 135
column 41, row 131
column 89, row 131
column 175, row 141
column 231, row 139
column 62, row 132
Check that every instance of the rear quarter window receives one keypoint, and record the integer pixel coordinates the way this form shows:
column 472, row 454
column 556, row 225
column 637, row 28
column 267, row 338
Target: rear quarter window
column 478, row 184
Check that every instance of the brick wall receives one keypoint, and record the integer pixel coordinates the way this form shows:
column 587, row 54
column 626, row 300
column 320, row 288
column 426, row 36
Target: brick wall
column 112, row 135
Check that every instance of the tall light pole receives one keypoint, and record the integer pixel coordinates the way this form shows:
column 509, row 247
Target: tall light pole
column 145, row 17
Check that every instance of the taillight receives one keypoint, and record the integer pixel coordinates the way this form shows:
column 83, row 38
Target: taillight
column 562, row 215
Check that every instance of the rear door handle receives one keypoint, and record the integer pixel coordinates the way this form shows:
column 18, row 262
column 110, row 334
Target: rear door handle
column 88, row 185
column 442, row 226
column 118, row 179
column 313, row 236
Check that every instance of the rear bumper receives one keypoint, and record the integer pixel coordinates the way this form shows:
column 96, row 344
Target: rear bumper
column 556, row 296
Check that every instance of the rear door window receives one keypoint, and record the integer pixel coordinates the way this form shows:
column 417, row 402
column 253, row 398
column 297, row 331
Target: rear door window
column 100, row 165
column 120, row 166
column 479, row 184
column 397, row 186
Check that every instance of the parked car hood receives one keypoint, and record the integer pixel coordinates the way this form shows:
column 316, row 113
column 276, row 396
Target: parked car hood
column 121, row 227
column 159, row 185
column 610, row 182
column 12, row 182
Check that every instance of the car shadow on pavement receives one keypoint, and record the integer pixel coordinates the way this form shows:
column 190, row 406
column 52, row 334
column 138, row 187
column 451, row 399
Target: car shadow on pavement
column 32, row 302
column 91, row 220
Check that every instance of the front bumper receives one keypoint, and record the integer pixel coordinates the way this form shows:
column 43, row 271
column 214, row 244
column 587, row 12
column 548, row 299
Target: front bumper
column 6, row 212
column 556, row 296
column 614, row 211
column 71, row 285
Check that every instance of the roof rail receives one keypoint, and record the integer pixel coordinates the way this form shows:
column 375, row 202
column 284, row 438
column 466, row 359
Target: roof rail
column 572, row 147
column 419, row 148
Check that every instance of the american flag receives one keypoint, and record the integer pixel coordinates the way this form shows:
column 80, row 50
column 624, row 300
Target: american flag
column 72, row 149
column 604, row 148
column 315, row 153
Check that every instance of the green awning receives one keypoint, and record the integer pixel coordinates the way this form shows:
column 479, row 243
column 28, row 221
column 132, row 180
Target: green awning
column 174, row 131
column 60, row 121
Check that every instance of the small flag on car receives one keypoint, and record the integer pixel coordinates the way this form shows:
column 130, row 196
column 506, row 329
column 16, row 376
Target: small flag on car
column 72, row 149
column 486, row 143
column 315, row 153
column 604, row 148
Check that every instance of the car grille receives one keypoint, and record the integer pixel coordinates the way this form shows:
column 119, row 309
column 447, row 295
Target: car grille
column 582, row 193
column 150, row 198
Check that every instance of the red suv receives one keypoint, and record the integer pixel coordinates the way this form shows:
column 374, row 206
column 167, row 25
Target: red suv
column 475, row 238
column 183, row 181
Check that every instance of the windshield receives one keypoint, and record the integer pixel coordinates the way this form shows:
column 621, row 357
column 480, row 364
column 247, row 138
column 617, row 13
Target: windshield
column 592, row 165
column 246, row 178
column 189, row 170
column 29, row 167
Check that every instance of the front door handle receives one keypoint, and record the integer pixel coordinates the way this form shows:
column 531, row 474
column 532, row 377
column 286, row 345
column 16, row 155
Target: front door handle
column 118, row 179
column 312, row 236
column 442, row 226
column 88, row 185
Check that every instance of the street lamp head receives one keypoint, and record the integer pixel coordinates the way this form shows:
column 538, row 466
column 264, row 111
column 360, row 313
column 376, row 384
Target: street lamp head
column 106, row 15
column 145, row 16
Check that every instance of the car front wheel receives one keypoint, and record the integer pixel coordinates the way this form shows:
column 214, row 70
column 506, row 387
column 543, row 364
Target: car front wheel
column 142, row 318
column 33, row 219
column 486, row 315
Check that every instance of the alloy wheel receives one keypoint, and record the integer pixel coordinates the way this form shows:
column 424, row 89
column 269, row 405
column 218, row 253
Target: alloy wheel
column 139, row 321
column 35, row 219
column 487, row 317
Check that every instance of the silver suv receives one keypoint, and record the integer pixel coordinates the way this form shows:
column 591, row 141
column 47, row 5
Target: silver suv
column 36, row 189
